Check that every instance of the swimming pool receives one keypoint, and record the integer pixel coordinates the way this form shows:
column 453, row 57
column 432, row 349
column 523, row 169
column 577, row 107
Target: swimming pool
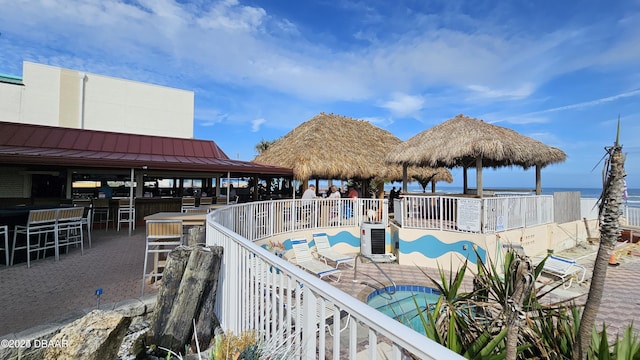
column 401, row 306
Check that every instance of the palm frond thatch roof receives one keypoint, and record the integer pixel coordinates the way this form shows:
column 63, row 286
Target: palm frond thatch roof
column 394, row 173
column 460, row 141
column 335, row 147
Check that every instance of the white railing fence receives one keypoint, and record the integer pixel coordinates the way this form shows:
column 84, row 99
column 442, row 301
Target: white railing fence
column 589, row 210
column 262, row 219
column 632, row 216
column 464, row 214
column 286, row 305
column 515, row 212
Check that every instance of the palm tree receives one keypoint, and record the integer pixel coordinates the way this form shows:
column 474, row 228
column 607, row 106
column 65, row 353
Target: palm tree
column 609, row 212
column 263, row 145
column 424, row 181
column 522, row 280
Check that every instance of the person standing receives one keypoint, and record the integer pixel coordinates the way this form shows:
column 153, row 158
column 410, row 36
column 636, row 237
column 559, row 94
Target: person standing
column 307, row 203
column 335, row 194
column 105, row 191
column 335, row 204
column 353, row 195
column 310, row 193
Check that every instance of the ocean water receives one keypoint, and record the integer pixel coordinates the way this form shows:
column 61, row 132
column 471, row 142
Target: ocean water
column 633, row 195
column 632, row 199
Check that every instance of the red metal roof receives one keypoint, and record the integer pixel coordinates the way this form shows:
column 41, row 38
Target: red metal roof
column 47, row 145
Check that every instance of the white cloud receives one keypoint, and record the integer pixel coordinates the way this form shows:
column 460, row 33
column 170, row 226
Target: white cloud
column 209, row 116
column 586, row 104
column 255, row 124
column 378, row 121
column 523, row 91
column 248, row 46
column 403, row 104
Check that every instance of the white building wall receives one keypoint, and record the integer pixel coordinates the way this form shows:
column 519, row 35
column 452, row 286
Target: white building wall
column 138, row 108
column 41, row 99
column 10, row 100
column 58, row 97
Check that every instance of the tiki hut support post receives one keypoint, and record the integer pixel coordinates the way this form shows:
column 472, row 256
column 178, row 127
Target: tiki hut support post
column 479, row 175
column 404, row 178
column 465, row 184
column 538, row 180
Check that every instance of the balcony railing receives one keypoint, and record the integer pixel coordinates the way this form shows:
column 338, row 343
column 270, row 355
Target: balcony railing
column 286, row 305
column 463, row 214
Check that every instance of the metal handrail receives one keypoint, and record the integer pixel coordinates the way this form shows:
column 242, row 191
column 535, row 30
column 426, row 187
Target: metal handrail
column 355, row 270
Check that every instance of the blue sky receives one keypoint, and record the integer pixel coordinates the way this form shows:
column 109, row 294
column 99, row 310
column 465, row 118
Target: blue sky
column 557, row 71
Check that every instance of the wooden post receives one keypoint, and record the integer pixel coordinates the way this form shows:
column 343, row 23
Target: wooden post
column 404, row 178
column 189, row 286
column 465, row 184
column 538, row 180
column 479, row 176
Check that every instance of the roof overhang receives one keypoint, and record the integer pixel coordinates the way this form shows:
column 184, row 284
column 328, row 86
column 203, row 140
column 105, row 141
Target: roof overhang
column 20, row 146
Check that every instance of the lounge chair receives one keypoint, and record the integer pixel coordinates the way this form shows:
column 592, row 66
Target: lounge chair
column 270, row 276
column 329, row 317
column 323, row 249
column 305, row 260
column 564, row 268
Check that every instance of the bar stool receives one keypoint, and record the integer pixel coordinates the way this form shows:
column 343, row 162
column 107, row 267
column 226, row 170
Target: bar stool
column 162, row 237
column 40, row 223
column 4, row 230
column 126, row 213
column 86, row 217
column 70, row 227
column 206, row 200
column 100, row 212
column 188, row 203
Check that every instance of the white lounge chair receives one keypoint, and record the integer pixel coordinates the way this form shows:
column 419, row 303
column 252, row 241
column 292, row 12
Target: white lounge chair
column 305, row 260
column 327, row 319
column 564, row 268
column 270, row 276
column 323, row 249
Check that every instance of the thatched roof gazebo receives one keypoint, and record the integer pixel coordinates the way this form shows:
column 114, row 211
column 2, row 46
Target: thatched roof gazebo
column 421, row 174
column 331, row 146
column 467, row 142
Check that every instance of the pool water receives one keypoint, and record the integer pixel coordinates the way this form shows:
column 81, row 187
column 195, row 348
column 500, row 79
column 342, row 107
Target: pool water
column 401, row 305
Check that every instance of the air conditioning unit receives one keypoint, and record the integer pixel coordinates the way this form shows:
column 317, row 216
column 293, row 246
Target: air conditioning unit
column 372, row 242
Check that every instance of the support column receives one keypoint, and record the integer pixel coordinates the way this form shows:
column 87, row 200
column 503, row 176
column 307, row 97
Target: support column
column 404, row 178
column 465, row 182
column 479, row 175
column 538, row 180
column 139, row 181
